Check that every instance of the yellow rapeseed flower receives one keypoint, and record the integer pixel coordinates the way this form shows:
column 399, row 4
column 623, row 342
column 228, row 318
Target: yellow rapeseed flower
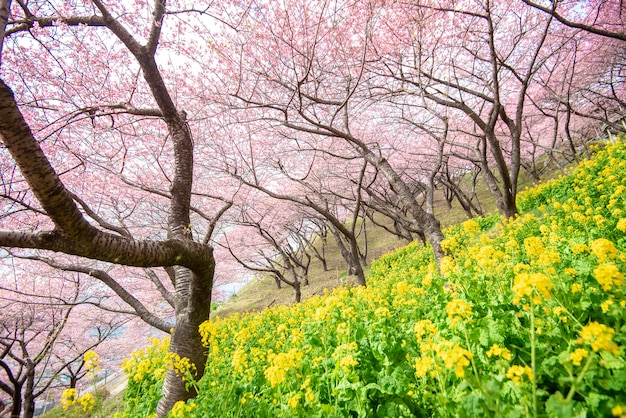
column 281, row 363
column 458, row 310
column 87, row 401
column 181, row 365
column 449, row 244
column 603, row 249
column 497, row 351
column 208, row 330
column 471, row 226
column 515, row 373
column 427, row 280
column 619, row 411
column 534, row 247
column 92, row 362
column 347, row 362
column 488, row 257
column 578, row 355
column 577, row 287
column 607, row 275
column 606, row 305
column 402, row 288
column 454, row 357
column 425, row 327
column 423, row 365
column 447, row 265
column 180, row 408
column 68, row 398
column 240, row 360
column 524, row 284
column 621, row 225
column 309, row 396
column 599, row 336
column 580, row 248
column 294, row 400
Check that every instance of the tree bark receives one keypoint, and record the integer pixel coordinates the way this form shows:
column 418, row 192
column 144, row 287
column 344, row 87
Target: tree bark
column 16, row 401
column 426, row 221
column 28, row 404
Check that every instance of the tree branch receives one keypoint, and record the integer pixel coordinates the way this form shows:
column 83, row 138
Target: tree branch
column 576, row 25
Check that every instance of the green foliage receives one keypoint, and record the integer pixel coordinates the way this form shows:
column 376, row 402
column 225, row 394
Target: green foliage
column 145, row 370
column 526, row 319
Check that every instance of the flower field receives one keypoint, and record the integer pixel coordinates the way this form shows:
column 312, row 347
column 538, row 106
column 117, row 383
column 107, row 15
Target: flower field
column 527, row 319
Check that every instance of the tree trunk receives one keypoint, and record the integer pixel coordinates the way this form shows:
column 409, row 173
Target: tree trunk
column 278, row 282
column 356, row 263
column 351, row 256
column 73, row 381
column 16, row 399
column 324, row 264
column 75, row 235
column 187, row 343
column 505, row 202
column 426, row 221
column 193, row 308
column 297, row 293
column 28, row 404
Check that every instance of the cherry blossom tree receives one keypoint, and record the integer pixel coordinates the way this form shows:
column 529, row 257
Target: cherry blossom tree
column 604, row 18
column 474, row 64
column 493, row 70
column 314, row 196
column 275, row 252
column 129, row 129
column 303, row 69
column 583, row 90
column 43, row 333
column 316, row 239
column 106, row 157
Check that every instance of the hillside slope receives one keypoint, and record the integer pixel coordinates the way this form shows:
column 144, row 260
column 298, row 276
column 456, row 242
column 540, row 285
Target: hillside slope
column 527, row 319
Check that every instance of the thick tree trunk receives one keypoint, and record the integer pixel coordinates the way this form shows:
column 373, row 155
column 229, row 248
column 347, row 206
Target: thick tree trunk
column 295, row 280
column 505, row 201
column 193, row 292
column 187, row 343
column 351, row 256
column 358, row 272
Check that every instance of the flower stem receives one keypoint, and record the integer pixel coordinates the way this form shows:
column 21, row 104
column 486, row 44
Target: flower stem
column 580, row 377
column 533, row 359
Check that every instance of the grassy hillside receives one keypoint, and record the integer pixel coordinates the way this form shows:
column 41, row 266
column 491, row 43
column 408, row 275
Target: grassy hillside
column 526, row 319
column 262, row 292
